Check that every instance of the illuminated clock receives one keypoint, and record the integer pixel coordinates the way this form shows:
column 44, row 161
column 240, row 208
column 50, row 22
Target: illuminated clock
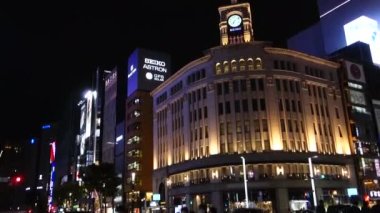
column 355, row 71
column 234, row 20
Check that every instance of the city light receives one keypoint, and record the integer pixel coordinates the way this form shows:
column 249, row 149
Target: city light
column 17, row 180
column 312, row 179
column 245, row 182
column 46, row 126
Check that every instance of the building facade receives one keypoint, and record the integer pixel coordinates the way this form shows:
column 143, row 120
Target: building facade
column 109, row 117
column 40, row 175
column 275, row 107
column 359, row 80
column 146, row 70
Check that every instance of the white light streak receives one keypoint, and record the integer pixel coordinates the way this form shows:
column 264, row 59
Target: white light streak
column 334, row 8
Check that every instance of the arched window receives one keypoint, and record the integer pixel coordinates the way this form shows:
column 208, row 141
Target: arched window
column 258, row 64
column 250, row 64
column 242, row 64
column 233, row 66
column 226, row 67
column 218, row 68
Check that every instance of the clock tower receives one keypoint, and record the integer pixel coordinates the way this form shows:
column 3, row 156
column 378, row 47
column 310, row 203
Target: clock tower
column 235, row 23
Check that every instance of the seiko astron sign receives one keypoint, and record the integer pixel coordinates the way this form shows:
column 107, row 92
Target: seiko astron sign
column 147, row 69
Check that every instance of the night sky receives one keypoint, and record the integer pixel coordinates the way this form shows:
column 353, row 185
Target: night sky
column 50, row 50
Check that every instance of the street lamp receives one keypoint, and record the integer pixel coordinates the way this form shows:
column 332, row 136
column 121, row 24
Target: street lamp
column 312, row 180
column 245, row 182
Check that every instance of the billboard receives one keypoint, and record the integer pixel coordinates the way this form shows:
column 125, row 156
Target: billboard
column 88, row 114
column 52, row 174
column 357, row 97
column 342, row 22
column 366, row 30
column 147, row 69
column 82, row 126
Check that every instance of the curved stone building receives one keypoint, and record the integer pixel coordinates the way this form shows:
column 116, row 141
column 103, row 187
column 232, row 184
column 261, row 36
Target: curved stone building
column 275, row 107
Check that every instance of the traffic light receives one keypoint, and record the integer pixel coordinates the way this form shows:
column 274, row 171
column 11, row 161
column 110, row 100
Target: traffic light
column 17, row 180
column 366, row 198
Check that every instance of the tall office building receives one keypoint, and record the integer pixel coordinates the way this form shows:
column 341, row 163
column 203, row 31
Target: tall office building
column 348, row 32
column 277, row 111
column 87, row 139
column 91, row 108
column 146, row 70
column 359, row 81
column 40, row 175
column 12, row 176
column 120, row 164
column 109, row 116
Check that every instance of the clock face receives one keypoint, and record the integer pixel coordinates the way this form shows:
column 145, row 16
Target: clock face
column 355, row 71
column 234, row 21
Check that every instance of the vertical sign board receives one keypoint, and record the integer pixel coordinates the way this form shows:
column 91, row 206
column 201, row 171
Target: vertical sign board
column 147, row 69
column 376, row 109
column 52, row 174
column 88, row 115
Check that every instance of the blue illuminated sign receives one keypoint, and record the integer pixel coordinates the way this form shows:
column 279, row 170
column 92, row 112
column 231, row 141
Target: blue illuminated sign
column 47, row 126
column 146, row 70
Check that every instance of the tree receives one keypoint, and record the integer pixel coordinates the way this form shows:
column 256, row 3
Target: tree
column 68, row 193
column 101, row 179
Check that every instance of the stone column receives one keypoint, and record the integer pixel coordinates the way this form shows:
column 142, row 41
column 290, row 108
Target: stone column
column 282, row 200
column 217, row 200
column 319, row 193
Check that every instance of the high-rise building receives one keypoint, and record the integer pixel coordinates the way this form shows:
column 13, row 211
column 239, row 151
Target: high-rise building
column 88, row 137
column 359, row 81
column 109, row 117
column 146, row 70
column 119, row 163
column 12, row 176
column 40, row 175
column 348, row 33
column 249, row 110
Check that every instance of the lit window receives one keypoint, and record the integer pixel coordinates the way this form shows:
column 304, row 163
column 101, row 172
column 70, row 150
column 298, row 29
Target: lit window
column 218, row 69
column 359, row 109
column 134, row 139
column 258, row 64
column 226, row 67
column 355, row 86
column 242, row 65
column 250, row 64
column 233, row 66
column 136, row 113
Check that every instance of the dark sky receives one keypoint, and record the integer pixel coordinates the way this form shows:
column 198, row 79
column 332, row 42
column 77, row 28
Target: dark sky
column 49, row 50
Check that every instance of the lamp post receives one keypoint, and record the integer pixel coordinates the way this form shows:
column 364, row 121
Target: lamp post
column 312, row 180
column 245, row 182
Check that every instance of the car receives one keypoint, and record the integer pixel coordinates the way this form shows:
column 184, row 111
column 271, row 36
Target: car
column 248, row 210
column 337, row 208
